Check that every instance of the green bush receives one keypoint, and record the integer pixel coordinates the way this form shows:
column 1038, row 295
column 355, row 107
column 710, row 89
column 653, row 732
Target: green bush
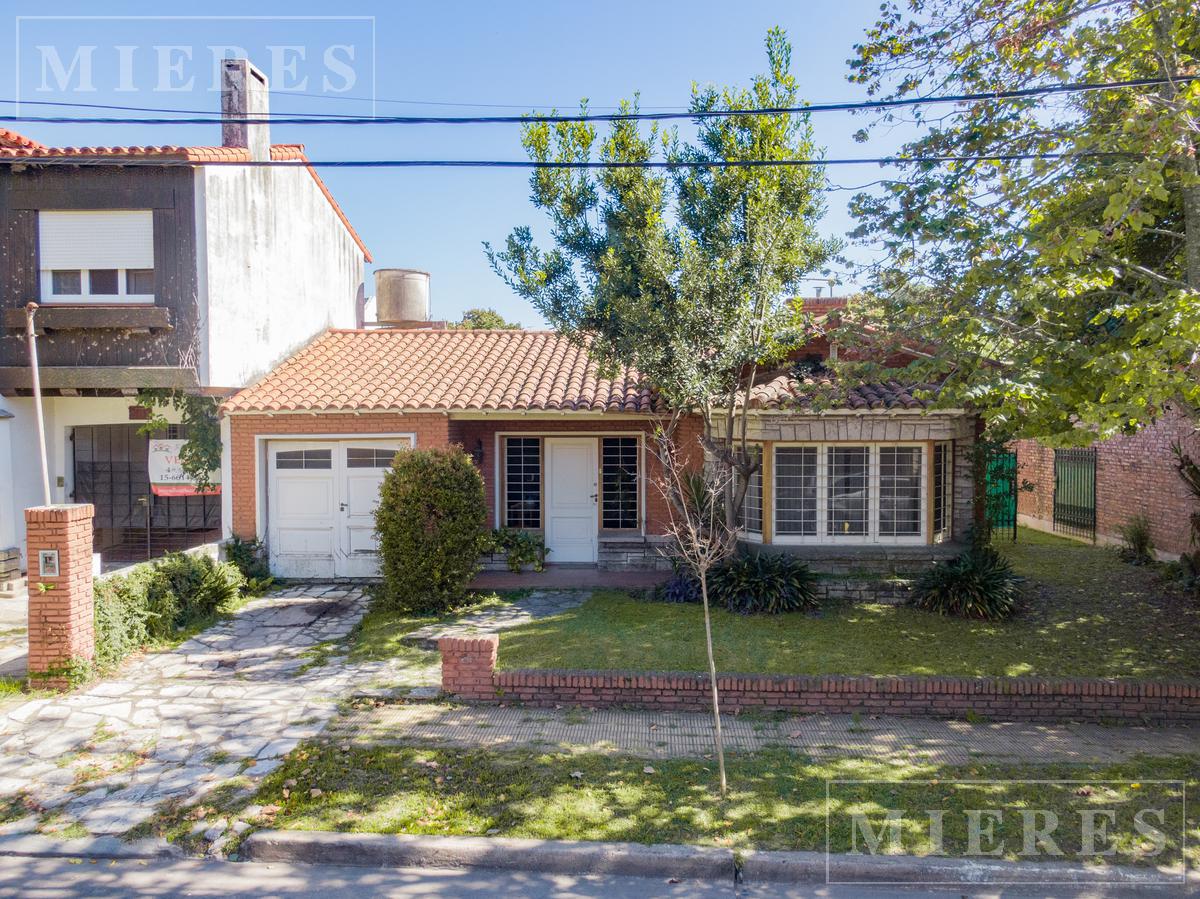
column 250, row 557
column 431, row 523
column 764, row 583
column 520, row 548
column 1137, row 546
column 749, row 583
column 980, row 583
column 157, row 600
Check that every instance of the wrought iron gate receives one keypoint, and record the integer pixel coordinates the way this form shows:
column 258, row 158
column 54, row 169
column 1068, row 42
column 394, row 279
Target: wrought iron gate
column 1001, row 493
column 131, row 523
column 1075, row 492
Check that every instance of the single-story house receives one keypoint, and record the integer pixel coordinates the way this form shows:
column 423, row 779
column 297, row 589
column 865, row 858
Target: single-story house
column 563, row 452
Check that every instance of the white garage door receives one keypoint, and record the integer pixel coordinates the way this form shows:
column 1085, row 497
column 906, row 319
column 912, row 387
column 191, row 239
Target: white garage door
column 321, row 498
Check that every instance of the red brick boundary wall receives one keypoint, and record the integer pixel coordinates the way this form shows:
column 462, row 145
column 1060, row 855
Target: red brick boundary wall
column 61, row 615
column 469, row 671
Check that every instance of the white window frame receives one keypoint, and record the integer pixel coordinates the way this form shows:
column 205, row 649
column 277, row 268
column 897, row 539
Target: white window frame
column 872, row 537
column 92, row 299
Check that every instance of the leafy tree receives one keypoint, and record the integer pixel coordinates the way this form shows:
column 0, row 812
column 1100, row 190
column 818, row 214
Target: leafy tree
column 483, row 319
column 684, row 275
column 1058, row 291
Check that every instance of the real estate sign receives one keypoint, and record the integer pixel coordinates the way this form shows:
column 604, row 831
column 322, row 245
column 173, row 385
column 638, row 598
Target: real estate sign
column 166, row 472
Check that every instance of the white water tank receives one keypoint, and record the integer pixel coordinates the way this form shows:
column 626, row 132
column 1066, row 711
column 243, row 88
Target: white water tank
column 401, row 296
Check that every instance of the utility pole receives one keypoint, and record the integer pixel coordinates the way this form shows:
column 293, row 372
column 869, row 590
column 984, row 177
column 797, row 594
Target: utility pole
column 31, row 334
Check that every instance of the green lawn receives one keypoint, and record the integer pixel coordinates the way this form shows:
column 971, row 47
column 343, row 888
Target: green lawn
column 776, row 798
column 1086, row 614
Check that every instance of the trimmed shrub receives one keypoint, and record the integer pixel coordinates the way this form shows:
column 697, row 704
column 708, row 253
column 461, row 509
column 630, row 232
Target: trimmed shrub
column 764, row 583
column 156, row 600
column 980, row 583
column 431, row 521
column 1137, row 545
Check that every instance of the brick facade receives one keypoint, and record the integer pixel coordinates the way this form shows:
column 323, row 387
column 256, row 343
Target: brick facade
column 431, row 429
column 468, row 671
column 1134, row 474
column 61, row 612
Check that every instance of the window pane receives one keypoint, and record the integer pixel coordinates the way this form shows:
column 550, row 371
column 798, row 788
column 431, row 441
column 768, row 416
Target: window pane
column 899, row 491
column 941, row 487
column 750, row 518
column 140, row 281
column 309, row 458
column 619, row 477
column 66, row 282
column 369, row 457
column 523, row 482
column 848, row 471
column 103, row 282
column 796, row 490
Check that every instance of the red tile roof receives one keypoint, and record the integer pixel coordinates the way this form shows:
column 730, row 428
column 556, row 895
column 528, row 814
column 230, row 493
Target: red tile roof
column 461, row 370
column 791, row 391
column 442, row 370
column 16, row 146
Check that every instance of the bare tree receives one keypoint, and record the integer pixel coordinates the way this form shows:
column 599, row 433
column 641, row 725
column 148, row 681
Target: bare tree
column 701, row 537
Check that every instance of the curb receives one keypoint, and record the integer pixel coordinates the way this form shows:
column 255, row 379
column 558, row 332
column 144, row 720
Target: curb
column 36, row 846
column 692, row 862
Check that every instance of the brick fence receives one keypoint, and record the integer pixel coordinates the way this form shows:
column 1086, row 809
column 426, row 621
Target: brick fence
column 61, row 616
column 469, row 672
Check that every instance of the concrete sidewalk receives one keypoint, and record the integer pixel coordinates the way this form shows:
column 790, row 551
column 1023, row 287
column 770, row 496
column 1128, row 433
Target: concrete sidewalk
column 660, row 735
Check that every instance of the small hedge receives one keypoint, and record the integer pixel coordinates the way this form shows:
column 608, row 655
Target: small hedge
column 980, row 583
column 749, row 583
column 156, row 601
column 431, row 522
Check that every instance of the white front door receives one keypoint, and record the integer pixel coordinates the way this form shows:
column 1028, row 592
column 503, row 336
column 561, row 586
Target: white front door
column 571, row 495
column 321, row 505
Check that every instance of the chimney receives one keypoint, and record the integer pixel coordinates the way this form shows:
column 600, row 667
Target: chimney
column 244, row 94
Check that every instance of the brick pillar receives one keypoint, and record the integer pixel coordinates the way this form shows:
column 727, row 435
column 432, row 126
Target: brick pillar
column 61, row 617
column 468, row 665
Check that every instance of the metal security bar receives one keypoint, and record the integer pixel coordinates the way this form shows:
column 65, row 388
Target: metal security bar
column 1075, row 492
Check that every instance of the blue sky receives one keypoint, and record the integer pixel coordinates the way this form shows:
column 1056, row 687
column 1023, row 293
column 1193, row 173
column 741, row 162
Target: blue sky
column 486, row 56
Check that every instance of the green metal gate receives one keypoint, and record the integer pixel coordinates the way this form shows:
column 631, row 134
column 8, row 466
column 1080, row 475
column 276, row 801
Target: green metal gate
column 1075, row 492
column 1001, row 493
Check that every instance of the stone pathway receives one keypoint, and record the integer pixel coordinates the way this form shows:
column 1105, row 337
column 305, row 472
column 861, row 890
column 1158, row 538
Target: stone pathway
column 14, row 635
column 536, row 605
column 661, row 735
column 231, row 701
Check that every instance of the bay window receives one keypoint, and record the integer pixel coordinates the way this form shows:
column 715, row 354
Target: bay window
column 851, row 493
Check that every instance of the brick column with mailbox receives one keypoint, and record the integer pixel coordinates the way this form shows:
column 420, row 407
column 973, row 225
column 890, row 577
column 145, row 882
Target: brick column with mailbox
column 61, row 616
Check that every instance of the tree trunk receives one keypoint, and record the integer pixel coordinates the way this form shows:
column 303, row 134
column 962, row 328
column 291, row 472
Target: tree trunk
column 718, row 742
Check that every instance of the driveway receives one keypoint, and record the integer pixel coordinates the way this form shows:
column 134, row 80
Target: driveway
column 173, row 725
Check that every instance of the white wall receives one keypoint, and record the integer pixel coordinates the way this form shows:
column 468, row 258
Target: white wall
column 62, row 414
column 276, row 267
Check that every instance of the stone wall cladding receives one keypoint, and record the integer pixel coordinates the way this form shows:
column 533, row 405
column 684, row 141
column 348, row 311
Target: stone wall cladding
column 468, row 670
column 885, row 592
column 1134, row 474
column 61, row 610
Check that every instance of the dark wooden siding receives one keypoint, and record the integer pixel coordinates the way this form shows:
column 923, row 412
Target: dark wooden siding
column 170, row 193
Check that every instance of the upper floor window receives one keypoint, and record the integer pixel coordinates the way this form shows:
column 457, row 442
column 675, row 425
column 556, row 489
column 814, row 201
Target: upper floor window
column 96, row 256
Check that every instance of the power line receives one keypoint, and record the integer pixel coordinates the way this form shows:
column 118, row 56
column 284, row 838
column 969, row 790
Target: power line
column 553, row 164
column 847, row 106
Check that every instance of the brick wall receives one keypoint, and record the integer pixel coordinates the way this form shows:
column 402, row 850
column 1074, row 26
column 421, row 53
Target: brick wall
column 432, row 430
column 1134, row 474
column 468, row 671
column 472, row 433
column 61, row 616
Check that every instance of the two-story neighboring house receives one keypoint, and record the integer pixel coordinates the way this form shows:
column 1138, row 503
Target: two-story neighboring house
column 154, row 267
